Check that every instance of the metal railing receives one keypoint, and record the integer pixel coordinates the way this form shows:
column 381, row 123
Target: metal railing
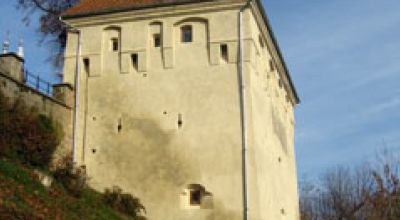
column 34, row 81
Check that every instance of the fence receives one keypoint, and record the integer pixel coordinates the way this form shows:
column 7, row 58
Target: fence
column 38, row 83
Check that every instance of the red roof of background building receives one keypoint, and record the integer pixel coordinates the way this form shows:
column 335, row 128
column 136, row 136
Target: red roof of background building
column 86, row 7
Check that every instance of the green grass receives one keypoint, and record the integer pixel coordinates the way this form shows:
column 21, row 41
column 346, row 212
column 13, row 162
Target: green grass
column 23, row 197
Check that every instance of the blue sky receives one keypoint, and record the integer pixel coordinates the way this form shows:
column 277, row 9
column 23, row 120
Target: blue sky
column 344, row 57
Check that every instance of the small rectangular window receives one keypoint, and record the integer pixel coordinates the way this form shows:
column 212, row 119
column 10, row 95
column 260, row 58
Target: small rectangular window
column 86, row 65
column 134, row 60
column 224, row 52
column 157, row 40
column 195, row 197
column 114, row 44
column 187, row 35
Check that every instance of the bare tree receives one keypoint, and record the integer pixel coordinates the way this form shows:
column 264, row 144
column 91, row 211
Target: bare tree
column 308, row 197
column 384, row 200
column 367, row 192
column 52, row 30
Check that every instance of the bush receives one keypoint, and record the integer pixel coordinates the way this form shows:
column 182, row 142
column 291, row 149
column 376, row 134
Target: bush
column 124, row 203
column 26, row 135
column 73, row 179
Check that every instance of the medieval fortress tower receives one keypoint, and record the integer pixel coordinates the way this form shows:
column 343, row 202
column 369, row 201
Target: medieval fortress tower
column 187, row 104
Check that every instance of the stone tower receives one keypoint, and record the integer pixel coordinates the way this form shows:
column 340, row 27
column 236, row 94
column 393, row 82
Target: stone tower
column 186, row 104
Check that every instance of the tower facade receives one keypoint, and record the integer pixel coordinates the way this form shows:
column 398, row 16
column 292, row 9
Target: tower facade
column 187, row 105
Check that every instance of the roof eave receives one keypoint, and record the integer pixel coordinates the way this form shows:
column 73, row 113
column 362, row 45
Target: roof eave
column 125, row 9
column 266, row 20
column 262, row 10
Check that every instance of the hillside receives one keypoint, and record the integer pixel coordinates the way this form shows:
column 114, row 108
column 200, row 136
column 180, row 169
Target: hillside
column 22, row 197
column 28, row 141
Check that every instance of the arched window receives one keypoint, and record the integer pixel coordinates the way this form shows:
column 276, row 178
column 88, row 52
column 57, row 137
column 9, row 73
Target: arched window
column 186, row 33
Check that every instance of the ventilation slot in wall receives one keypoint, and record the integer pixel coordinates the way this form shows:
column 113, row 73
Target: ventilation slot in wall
column 119, row 127
column 180, row 121
column 86, row 65
column 224, row 52
column 261, row 41
column 271, row 65
column 135, row 61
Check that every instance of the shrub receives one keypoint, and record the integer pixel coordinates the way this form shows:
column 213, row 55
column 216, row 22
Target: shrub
column 73, row 179
column 124, row 203
column 26, row 135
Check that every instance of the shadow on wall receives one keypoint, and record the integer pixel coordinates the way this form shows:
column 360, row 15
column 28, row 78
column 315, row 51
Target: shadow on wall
column 139, row 151
column 280, row 130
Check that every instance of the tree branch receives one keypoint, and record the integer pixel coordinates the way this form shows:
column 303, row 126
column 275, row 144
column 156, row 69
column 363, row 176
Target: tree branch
column 40, row 5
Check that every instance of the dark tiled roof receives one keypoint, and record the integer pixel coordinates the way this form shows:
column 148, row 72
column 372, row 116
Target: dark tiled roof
column 88, row 7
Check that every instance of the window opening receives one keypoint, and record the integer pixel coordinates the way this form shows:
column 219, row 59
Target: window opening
column 187, row 34
column 86, row 65
column 224, row 52
column 157, row 40
column 119, row 127
column 271, row 65
column 195, row 197
column 134, row 60
column 180, row 121
column 114, row 44
column 261, row 40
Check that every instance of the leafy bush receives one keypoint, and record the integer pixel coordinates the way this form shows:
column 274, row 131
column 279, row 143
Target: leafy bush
column 73, row 179
column 26, row 135
column 124, row 203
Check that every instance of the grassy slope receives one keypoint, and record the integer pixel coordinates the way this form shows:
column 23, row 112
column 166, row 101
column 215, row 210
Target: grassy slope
column 22, row 197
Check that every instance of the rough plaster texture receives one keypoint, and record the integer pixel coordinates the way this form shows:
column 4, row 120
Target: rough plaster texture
column 12, row 65
column 58, row 107
column 173, row 119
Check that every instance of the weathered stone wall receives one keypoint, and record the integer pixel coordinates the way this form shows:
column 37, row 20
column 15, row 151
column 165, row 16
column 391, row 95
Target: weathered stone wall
column 272, row 169
column 59, row 106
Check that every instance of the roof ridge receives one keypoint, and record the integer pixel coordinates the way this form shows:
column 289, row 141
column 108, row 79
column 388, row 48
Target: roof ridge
column 92, row 7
